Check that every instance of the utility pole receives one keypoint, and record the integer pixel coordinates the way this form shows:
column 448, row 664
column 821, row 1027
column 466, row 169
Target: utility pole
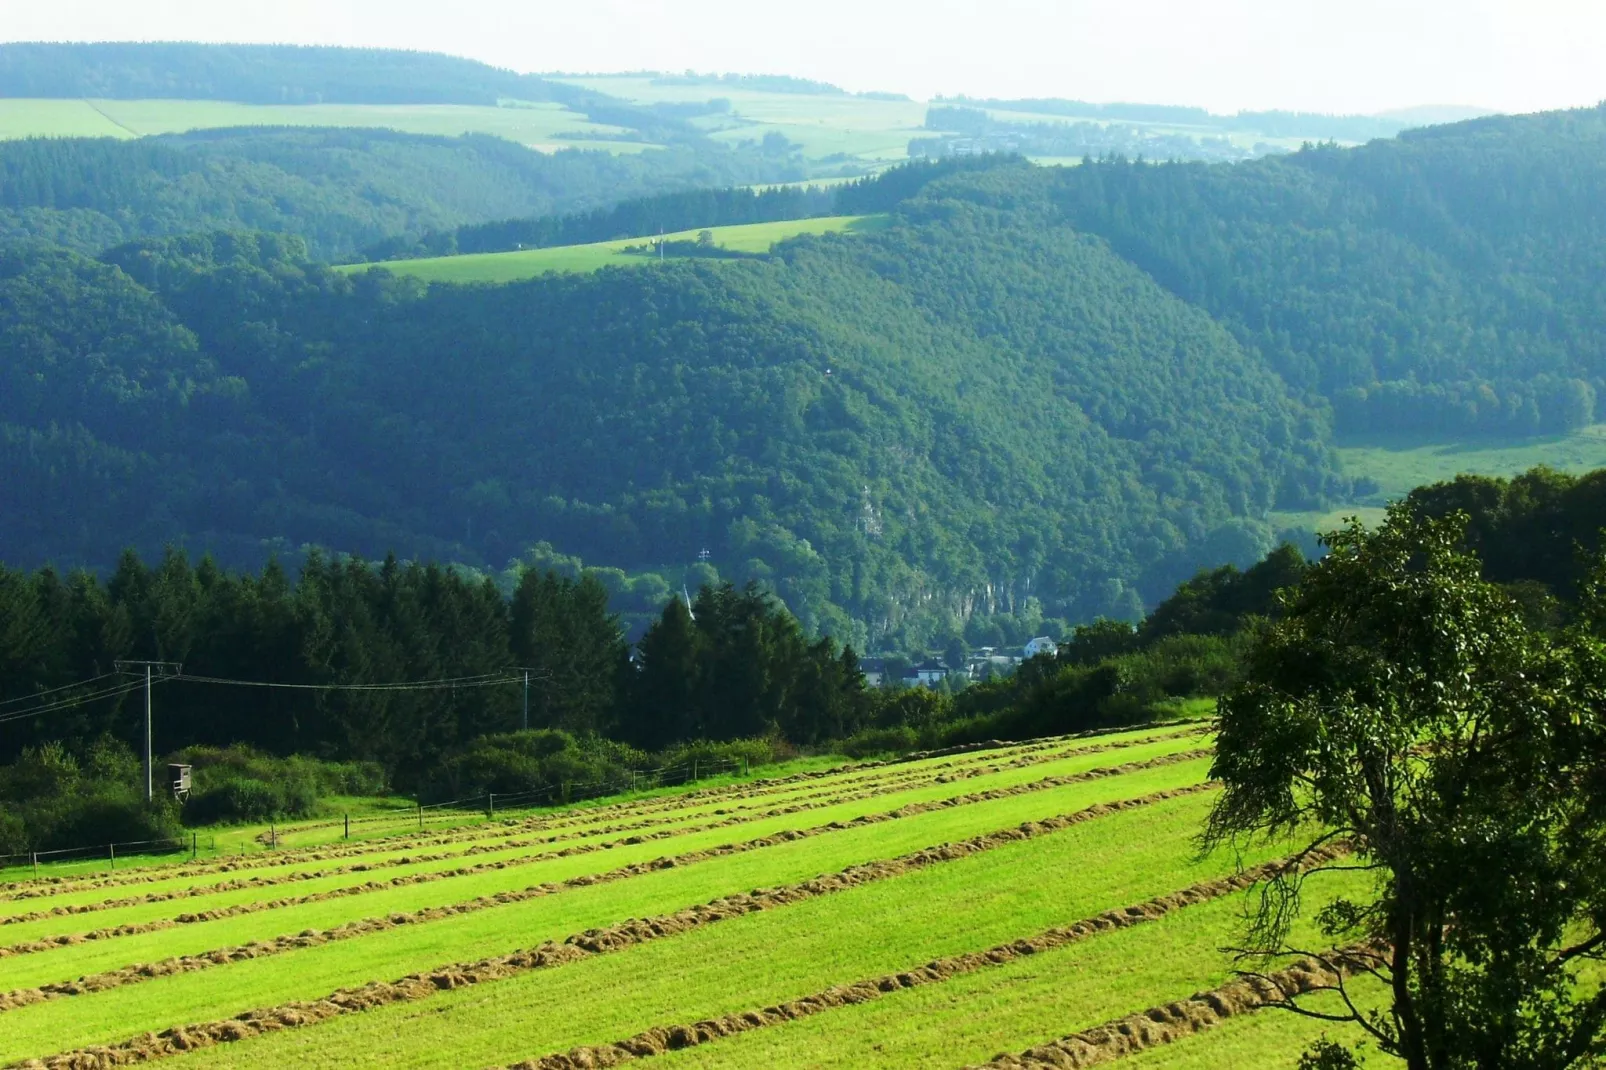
column 527, row 671
column 166, row 668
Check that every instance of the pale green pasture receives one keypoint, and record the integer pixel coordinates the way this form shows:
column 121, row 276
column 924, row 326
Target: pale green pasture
column 542, row 126
column 54, row 118
column 1100, row 853
column 528, row 263
column 1400, row 466
column 823, row 124
column 760, row 959
column 969, row 1019
column 75, row 960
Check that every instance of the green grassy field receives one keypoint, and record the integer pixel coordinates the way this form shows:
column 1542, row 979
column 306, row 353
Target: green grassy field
column 848, row 875
column 528, row 263
column 1399, row 466
column 543, row 126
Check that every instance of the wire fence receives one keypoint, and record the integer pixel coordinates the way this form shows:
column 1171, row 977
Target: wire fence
column 111, row 852
column 558, row 793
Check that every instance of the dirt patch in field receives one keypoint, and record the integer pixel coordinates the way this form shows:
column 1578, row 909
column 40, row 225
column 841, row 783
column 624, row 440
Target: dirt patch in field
column 575, row 819
column 580, row 945
column 662, row 1039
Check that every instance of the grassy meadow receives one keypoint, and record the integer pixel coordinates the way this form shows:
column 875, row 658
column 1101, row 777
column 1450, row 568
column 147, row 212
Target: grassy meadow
column 1398, row 466
column 492, row 942
column 528, row 263
column 544, row 126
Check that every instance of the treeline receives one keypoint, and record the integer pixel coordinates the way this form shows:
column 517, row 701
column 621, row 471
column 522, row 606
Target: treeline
column 968, row 131
column 256, row 74
column 688, row 210
column 728, row 679
column 1447, row 281
column 1308, row 126
column 743, row 668
column 340, row 190
column 643, row 216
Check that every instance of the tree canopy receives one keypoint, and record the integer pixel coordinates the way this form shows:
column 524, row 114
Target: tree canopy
column 1401, row 706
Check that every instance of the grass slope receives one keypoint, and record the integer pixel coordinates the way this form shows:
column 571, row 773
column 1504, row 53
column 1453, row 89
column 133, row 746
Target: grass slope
column 1398, row 466
column 544, row 126
column 314, row 971
column 899, row 921
column 528, row 263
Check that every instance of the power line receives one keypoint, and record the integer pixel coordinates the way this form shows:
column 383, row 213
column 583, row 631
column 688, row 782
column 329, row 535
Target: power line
column 53, row 690
column 482, row 680
column 76, row 700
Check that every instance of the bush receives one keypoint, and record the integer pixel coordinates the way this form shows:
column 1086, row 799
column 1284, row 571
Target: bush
column 874, row 741
column 50, row 800
column 239, row 784
column 538, row 760
column 708, row 754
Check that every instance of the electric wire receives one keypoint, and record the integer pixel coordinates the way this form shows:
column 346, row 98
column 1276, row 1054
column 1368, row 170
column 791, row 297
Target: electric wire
column 51, row 691
column 68, row 703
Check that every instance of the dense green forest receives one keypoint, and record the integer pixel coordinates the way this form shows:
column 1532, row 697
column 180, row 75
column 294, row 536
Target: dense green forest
column 341, row 190
column 1039, row 395
column 259, row 74
column 1448, row 282
column 868, row 423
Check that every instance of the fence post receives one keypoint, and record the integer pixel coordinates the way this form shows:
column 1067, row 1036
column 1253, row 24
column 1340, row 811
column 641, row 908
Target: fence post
column 195, row 845
column 348, row 826
column 744, row 765
column 490, row 806
column 111, row 852
column 35, row 865
column 420, row 817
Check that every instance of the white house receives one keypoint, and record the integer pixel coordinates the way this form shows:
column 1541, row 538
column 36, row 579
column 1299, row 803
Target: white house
column 1042, row 645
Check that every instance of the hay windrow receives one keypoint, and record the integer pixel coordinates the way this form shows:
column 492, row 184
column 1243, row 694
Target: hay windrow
column 628, row 809
column 173, row 1041
column 51, row 943
column 140, row 972
column 1186, row 1017
column 483, row 845
column 661, row 1039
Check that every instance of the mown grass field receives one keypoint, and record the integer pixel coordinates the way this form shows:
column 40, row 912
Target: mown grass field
column 869, row 914
column 544, row 126
column 528, row 263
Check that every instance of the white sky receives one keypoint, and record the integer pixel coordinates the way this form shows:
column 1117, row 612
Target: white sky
column 1317, row 55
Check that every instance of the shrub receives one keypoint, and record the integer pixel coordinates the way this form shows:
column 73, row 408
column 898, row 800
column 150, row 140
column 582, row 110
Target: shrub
column 538, row 760
column 237, row 783
column 50, row 800
column 900, row 739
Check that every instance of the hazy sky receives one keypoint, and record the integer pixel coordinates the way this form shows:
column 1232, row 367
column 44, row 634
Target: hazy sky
column 1321, row 55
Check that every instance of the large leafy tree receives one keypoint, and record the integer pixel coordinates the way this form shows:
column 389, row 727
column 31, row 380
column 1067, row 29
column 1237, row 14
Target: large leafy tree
column 1402, row 703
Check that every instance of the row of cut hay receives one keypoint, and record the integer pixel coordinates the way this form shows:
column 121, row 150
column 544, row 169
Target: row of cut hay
column 658, row 1040
column 577, row 947
column 141, row 972
column 625, row 810
column 204, row 911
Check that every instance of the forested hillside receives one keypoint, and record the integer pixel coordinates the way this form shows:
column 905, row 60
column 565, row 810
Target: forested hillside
column 1450, row 281
column 956, row 415
column 340, row 190
column 1038, row 392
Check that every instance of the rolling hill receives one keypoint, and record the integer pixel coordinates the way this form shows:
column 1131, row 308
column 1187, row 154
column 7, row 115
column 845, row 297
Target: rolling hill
column 1041, row 392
